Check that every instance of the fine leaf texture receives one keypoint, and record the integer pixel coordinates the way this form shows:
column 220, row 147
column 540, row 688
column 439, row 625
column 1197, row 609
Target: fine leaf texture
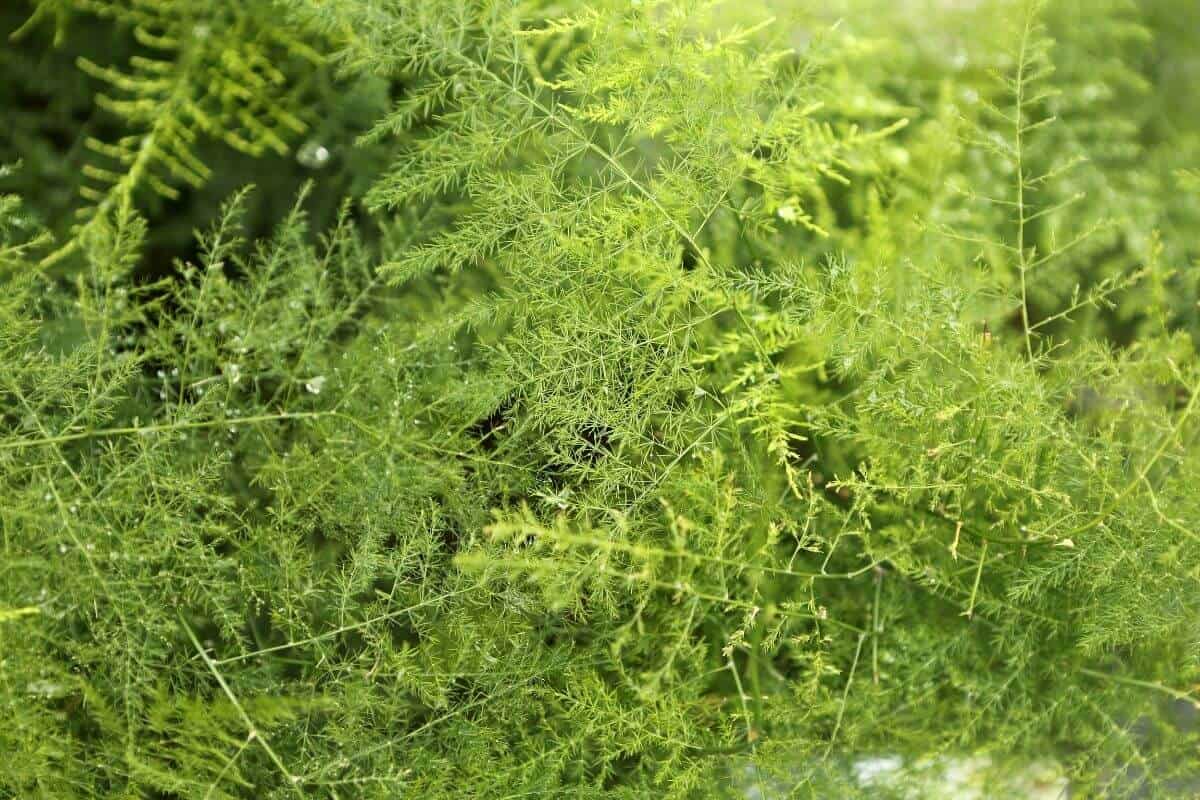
column 667, row 398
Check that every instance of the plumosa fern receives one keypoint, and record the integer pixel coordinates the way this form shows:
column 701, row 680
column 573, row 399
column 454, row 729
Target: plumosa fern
column 685, row 400
column 216, row 70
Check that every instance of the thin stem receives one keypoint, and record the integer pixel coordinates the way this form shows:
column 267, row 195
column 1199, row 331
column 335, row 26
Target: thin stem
column 862, row 637
column 251, row 728
column 970, row 612
column 20, row 444
column 1141, row 684
column 1019, row 137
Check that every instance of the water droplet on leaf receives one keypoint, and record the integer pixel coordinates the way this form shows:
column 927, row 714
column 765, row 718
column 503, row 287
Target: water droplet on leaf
column 313, row 155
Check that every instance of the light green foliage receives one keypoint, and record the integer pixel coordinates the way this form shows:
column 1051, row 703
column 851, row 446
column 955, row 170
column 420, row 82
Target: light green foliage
column 662, row 399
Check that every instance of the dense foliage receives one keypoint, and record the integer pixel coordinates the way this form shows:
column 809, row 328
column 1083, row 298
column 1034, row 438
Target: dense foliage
column 599, row 399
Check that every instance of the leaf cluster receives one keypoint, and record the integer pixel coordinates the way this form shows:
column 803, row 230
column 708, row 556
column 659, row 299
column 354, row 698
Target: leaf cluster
column 653, row 399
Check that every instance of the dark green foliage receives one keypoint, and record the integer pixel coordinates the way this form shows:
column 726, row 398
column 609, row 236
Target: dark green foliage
column 606, row 399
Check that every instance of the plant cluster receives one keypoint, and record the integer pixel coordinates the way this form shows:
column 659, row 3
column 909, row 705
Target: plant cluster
column 622, row 398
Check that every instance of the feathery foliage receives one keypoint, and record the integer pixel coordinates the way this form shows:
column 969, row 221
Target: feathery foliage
column 654, row 399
